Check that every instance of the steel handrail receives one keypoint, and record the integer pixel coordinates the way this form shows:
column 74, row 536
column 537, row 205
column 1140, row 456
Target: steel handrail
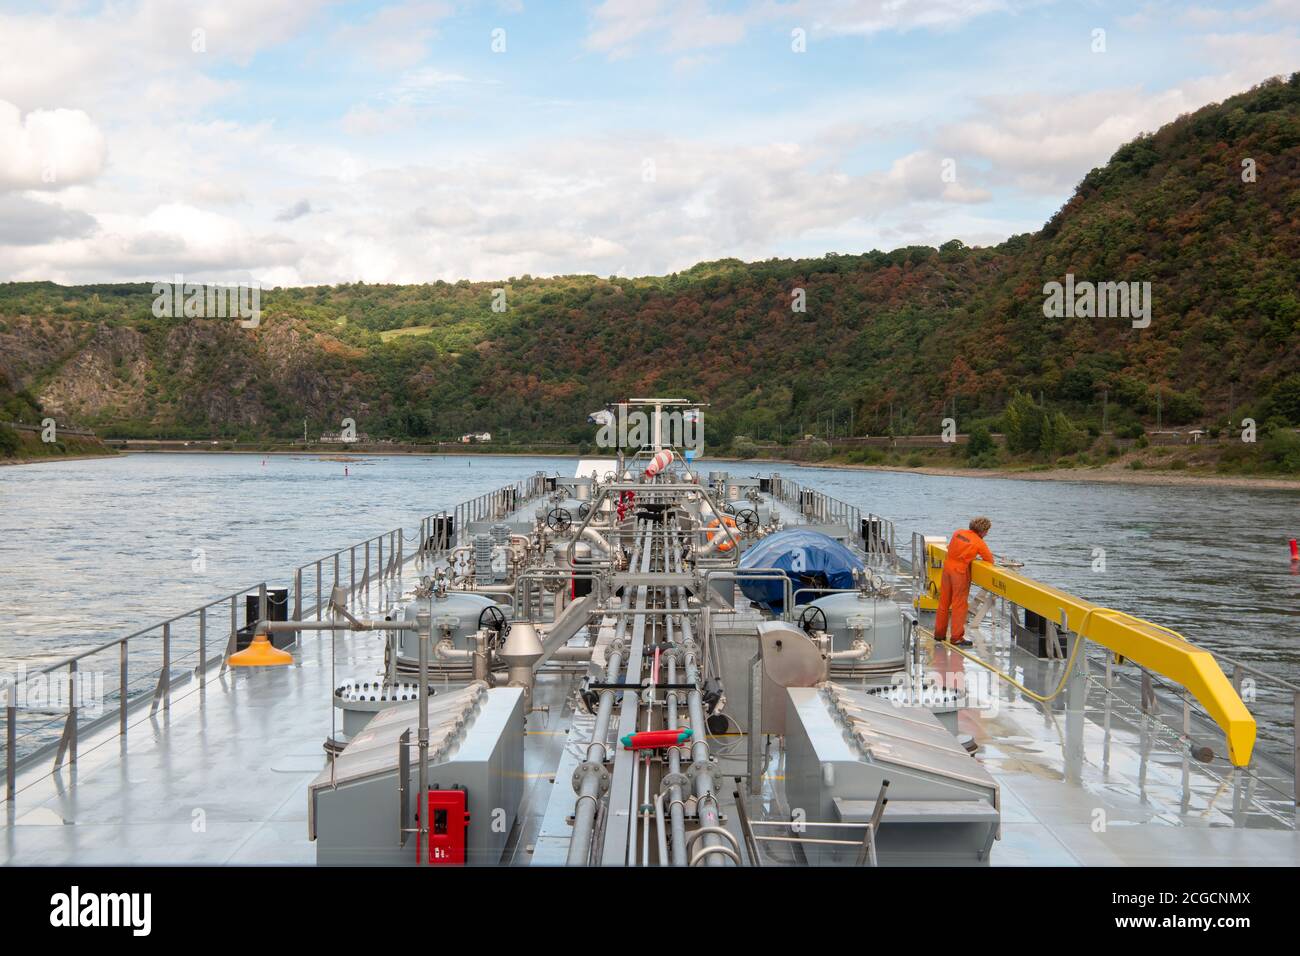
column 524, row 491
column 1151, row 645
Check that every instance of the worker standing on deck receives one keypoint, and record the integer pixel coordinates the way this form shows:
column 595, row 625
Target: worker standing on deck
column 954, row 590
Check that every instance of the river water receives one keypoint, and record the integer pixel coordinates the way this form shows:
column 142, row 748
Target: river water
column 91, row 550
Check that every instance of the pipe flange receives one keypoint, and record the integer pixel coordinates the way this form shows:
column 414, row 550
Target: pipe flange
column 674, row 653
column 588, row 768
column 709, row 765
column 671, row 780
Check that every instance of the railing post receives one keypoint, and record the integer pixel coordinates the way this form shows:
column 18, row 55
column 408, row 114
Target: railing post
column 352, row 570
column 11, row 747
column 318, row 590
column 68, row 740
column 233, row 644
column 203, row 642
column 162, row 693
column 297, row 594
column 73, row 692
column 121, row 693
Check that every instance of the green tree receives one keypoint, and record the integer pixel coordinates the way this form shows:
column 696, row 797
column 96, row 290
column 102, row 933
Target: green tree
column 1284, row 399
column 980, row 442
column 1022, row 422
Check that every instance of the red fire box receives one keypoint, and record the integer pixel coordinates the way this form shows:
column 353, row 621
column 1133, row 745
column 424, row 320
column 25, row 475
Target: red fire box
column 448, row 824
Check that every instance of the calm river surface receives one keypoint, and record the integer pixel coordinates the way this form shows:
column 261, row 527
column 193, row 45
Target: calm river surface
column 91, row 550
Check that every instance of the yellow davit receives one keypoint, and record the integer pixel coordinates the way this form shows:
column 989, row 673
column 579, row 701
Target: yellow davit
column 1156, row 648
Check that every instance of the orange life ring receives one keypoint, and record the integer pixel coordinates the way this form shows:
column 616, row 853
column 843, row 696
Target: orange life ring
column 730, row 522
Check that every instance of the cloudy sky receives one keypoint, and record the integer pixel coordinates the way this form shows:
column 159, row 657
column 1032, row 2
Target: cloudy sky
column 306, row 141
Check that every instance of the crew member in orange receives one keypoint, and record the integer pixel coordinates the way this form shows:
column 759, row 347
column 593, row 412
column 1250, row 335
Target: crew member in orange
column 954, row 590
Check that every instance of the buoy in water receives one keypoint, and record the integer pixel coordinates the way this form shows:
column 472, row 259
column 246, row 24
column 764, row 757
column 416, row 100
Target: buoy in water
column 345, row 471
column 1295, row 550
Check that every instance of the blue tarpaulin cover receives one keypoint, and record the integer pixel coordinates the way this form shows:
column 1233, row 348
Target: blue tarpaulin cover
column 810, row 558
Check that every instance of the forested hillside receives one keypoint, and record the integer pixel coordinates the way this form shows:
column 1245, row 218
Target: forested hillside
column 886, row 339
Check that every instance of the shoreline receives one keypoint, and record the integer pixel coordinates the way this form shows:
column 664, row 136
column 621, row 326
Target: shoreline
column 50, row 459
column 1113, row 476
column 1127, row 476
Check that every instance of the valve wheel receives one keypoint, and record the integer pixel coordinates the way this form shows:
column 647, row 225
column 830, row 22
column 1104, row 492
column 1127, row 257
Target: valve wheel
column 491, row 618
column 584, row 509
column 747, row 521
column 559, row 520
column 809, row 618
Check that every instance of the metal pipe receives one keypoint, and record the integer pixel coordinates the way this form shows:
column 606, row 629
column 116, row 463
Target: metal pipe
column 595, row 537
column 482, row 670
column 422, row 617
column 660, row 829
column 706, row 801
column 677, row 808
column 584, row 812
column 445, row 650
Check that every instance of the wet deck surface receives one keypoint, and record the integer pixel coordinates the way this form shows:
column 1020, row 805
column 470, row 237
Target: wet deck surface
column 221, row 776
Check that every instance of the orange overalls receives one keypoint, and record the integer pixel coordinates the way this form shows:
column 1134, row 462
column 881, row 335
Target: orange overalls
column 954, row 588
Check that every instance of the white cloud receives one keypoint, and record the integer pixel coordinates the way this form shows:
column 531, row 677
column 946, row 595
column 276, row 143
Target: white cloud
column 926, row 176
column 139, row 55
column 1044, row 143
column 678, row 25
column 299, row 209
column 875, row 16
column 47, row 149
column 1253, row 55
column 29, row 222
column 410, row 101
column 171, row 238
column 396, row 36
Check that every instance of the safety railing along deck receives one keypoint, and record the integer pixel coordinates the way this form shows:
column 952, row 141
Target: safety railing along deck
column 1157, row 660
column 876, row 534
column 49, row 709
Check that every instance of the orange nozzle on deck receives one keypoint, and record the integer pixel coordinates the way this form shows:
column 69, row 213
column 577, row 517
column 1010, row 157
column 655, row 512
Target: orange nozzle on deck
column 261, row 653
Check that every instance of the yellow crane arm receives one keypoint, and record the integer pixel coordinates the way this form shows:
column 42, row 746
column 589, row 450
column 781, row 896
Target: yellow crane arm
column 1154, row 647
